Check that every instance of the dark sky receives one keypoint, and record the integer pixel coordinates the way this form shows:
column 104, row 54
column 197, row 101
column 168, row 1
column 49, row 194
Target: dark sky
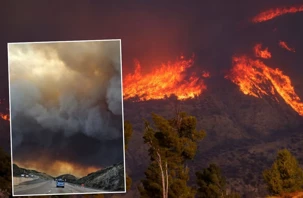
column 158, row 31
column 151, row 31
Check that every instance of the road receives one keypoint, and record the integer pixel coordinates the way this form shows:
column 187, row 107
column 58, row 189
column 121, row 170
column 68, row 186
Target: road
column 41, row 187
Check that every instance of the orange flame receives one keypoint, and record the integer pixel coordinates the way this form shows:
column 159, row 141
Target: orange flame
column 257, row 79
column 273, row 13
column 4, row 116
column 167, row 79
column 262, row 53
column 205, row 74
column 284, row 45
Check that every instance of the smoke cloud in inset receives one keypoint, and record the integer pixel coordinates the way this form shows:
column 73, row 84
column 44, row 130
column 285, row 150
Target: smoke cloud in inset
column 65, row 88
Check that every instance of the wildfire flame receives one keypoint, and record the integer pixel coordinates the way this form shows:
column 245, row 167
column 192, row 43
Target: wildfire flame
column 206, row 74
column 257, row 79
column 4, row 116
column 284, row 45
column 273, row 13
column 261, row 53
column 167, row 79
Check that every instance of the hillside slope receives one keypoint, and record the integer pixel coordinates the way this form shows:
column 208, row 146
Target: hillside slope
column 109, row 179
column 18, row 171
column 243, row 133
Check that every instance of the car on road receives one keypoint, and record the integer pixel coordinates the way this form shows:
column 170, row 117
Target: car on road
column 60, row 183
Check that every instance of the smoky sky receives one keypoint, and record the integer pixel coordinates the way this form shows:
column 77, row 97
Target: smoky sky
column 158, row 31
column 66, row 98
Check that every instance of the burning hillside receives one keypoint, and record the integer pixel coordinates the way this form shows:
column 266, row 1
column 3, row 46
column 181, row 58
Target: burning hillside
column 166, row 79
column 257, row 79
column 276, row 12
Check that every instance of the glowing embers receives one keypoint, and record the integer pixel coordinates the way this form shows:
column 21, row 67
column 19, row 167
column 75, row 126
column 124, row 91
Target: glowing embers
column 164, row 80
column 284, row 45
column 261, row 52
column 276, row 12
column 4, row 116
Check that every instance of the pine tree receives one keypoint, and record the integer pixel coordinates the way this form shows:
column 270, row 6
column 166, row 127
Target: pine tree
column 171, row 144
column 285, row 175
column 128, row 131
column 212, row 184
column 5, row 174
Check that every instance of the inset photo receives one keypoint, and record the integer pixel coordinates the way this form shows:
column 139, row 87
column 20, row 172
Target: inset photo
column 66, row 112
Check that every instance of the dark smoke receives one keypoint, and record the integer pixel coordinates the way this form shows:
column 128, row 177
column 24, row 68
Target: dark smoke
column 66, row 88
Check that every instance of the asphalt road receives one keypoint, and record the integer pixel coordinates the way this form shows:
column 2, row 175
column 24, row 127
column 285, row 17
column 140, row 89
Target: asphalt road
column 42, row 187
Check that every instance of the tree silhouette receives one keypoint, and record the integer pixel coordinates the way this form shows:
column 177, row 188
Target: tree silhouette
column 171, row 143
column 212, row 184
column 5, row 174
column 128, row 131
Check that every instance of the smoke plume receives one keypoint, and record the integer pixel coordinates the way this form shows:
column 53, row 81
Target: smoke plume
column 66, row 88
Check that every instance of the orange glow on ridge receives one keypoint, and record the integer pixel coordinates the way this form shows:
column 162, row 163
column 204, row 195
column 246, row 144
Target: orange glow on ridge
column 57, row 168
